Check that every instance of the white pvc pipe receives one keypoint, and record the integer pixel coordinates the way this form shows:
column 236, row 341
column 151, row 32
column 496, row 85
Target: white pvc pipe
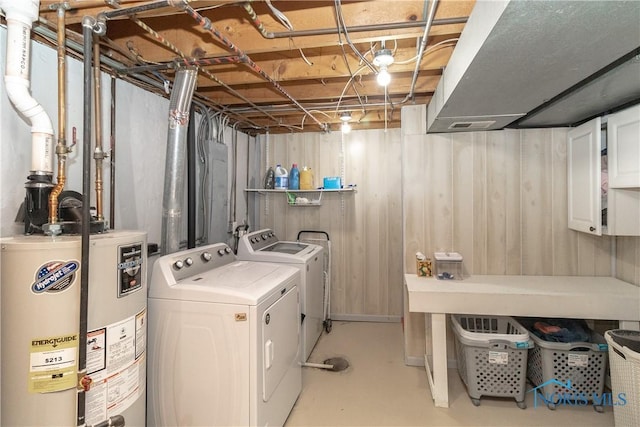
column 20, row 15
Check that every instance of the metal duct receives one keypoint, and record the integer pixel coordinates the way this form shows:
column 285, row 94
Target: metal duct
column 175, row 164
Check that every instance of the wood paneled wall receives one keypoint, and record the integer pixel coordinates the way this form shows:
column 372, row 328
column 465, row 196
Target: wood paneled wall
column 365, row 226
column 499, row 198
column 628, row 260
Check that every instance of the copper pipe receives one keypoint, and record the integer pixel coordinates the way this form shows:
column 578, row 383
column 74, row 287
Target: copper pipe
column 98, row 153
column 61, row 146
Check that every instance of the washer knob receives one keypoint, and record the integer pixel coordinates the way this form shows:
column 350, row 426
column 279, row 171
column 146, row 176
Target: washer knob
column 206, row 256
column 221, row 252
column 178, row 265
column 189, row 262
column 227, row 250
column 264, row 236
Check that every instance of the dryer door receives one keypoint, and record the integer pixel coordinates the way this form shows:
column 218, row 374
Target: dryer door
column 280, row 332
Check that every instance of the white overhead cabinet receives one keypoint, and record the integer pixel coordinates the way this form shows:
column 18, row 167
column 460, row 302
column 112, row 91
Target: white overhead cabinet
column 623, row 143
column 604, row 175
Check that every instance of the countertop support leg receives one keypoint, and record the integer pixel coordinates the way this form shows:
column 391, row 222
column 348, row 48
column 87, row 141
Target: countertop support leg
column 438, row 381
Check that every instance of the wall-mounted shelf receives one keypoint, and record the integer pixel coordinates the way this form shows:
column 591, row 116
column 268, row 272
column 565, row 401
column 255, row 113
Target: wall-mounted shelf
column 315, row 198
column 317, row 190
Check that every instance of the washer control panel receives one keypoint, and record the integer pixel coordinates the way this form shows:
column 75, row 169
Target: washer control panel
column 261, row 239
column 190, row 262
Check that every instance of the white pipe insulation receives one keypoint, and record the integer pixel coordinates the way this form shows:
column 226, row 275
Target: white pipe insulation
column 20, row 15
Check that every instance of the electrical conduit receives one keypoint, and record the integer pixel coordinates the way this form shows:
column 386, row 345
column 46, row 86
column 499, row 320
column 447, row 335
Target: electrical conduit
column 423, row 45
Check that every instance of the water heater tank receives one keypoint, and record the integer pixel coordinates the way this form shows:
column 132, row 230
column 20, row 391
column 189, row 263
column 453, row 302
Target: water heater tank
column 40, row 326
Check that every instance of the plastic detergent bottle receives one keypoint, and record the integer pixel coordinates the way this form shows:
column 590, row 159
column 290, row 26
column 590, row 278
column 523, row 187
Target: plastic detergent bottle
column 306, row 178
column 282, row 178
column 294, row 177
column 269, row 179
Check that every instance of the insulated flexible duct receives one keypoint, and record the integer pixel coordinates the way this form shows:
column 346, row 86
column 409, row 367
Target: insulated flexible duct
column 175, row 164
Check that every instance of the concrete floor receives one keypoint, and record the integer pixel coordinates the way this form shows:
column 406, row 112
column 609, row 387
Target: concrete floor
column 378, row 389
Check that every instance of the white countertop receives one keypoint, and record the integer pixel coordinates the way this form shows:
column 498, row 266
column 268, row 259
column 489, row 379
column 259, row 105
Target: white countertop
column 543, row 296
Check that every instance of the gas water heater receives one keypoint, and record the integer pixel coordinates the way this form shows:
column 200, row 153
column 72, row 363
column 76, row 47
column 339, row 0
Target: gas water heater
column 40, row 279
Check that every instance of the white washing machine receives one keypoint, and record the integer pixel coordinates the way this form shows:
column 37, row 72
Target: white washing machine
column 264, row 246
column 223, row 340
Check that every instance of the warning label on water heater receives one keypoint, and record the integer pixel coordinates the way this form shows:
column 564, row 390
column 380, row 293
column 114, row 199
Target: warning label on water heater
column 116, row 362
column 129, row 269
column 52, row 363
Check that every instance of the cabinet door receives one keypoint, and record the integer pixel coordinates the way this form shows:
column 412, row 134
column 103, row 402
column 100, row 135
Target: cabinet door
column 623, row 144
column 583, row 178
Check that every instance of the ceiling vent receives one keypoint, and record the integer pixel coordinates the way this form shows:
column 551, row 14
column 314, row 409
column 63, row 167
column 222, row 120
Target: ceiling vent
column 471, row 125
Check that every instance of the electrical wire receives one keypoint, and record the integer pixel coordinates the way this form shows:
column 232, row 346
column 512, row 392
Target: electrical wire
column 203, row 155
column 343, row 27
column 285, row 21
column 340, row 17
column 281, row 16
column 428, row 50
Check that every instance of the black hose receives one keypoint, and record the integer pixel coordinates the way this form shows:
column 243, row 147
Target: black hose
column 87, row 33
column 192, row 194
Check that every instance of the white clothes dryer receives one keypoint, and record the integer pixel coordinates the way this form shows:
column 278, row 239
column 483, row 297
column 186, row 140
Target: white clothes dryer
column 264, row 246
column 223, row 340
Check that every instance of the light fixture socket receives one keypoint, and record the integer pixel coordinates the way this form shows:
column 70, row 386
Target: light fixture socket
column 345, row 116
column 346, row 127
column 383, row 58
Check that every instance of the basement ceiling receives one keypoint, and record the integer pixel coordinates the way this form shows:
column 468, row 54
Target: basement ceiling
column 278, row 66
column 295, row 66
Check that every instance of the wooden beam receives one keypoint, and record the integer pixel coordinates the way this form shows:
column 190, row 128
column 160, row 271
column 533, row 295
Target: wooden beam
column 323, row 69
column 233, row 23
column 317, row 91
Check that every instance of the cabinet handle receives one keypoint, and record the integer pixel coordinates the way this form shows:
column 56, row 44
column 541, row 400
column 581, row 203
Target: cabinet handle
column 592, row 229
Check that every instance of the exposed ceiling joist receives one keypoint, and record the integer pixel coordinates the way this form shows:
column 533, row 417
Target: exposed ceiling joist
column 324, row 57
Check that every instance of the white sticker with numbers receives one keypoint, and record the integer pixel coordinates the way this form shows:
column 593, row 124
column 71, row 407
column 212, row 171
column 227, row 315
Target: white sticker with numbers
column 498, row 357
column 579, row 360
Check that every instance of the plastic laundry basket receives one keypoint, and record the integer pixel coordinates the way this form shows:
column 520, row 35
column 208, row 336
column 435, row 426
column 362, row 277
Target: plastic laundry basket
column 624, row 359
column 491, row 356
column 582, row 363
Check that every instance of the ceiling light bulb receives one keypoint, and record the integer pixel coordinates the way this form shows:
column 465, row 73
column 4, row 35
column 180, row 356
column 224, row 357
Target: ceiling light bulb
column 383, row 77
column 345, row 116
column 346, row 127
